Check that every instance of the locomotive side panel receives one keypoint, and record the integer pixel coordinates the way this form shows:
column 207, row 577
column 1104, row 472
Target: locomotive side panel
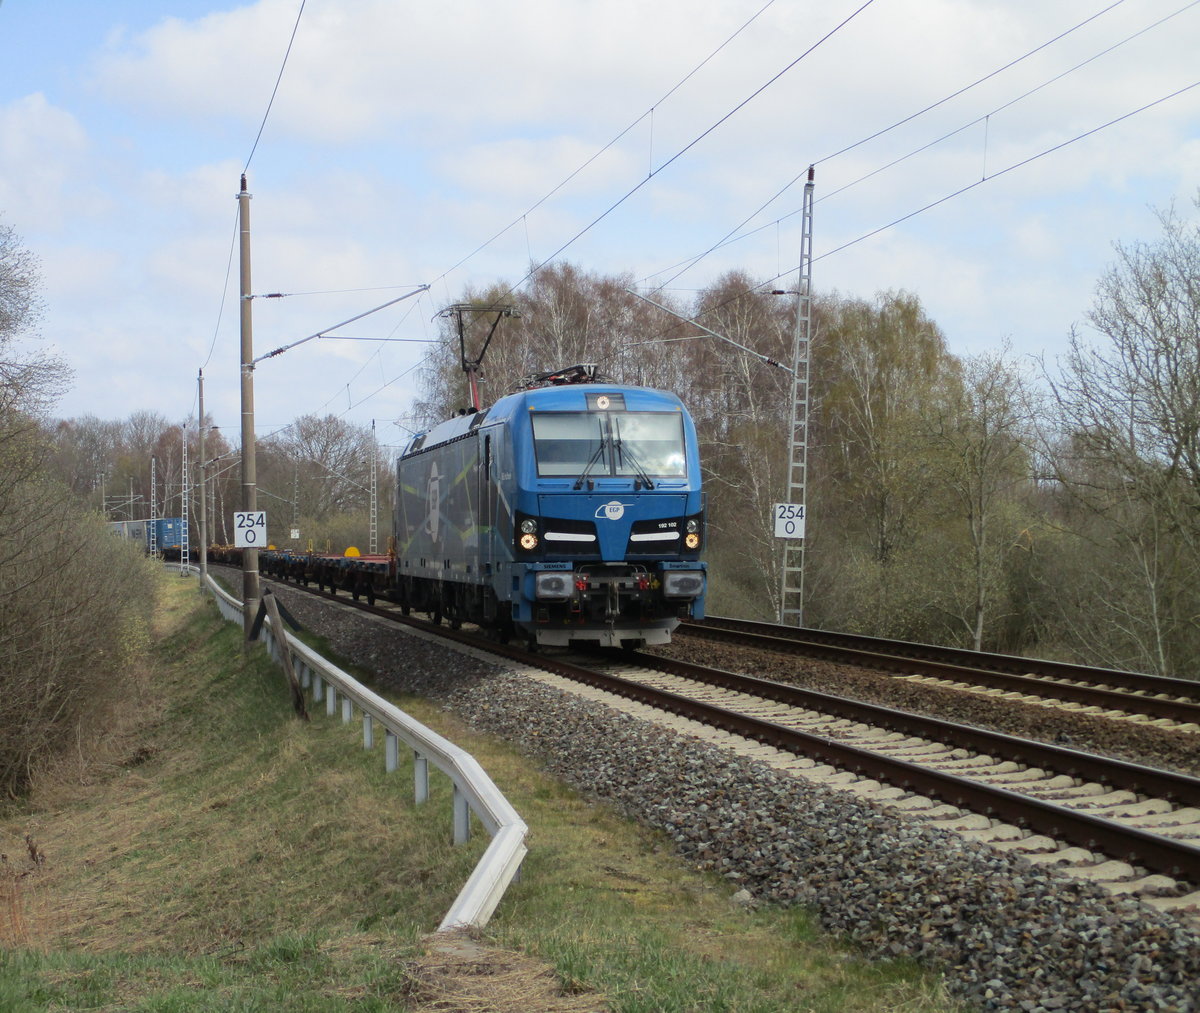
column 436, row 526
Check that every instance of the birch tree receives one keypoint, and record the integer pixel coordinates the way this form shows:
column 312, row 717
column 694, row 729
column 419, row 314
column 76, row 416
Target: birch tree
column 980, row 438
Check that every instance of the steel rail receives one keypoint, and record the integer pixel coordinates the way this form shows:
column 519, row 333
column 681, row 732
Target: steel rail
column 1015, row 664
column 1180, row 788
column 839, row 648
column 1155, row 852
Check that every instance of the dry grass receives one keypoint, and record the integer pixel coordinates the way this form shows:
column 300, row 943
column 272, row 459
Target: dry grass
column 223, row 854
column 187, row 834
column 14, row 930
column 457, row 973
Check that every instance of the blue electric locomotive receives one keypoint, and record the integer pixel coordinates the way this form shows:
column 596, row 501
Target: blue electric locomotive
column 567, row 512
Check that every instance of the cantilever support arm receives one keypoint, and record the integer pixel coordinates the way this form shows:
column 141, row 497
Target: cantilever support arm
column 707, row 330
column 322, row 333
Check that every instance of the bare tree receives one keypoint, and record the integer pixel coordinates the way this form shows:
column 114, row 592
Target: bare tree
column 881, row 362
column 1126, row 447
column 980, row 437
column 877, row 369
column 741, row 408
column 320, row 468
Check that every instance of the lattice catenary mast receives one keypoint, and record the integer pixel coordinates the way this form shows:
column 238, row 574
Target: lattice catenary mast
column 153, row 511
column 184, row 545
column 791, row 597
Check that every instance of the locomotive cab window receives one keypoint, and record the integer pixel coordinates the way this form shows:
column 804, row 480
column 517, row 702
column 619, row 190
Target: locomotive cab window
column 566, row 442
column 604, row 444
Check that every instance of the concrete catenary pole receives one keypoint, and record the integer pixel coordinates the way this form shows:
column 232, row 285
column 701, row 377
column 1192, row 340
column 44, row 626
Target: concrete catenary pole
column 250, row 592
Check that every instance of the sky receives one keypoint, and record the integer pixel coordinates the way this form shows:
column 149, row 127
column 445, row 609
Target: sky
column 454, row 144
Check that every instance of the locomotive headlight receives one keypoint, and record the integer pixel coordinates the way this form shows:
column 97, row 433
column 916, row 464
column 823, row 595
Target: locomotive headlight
column 692, row 539
column 683, row 583
column 527, row 536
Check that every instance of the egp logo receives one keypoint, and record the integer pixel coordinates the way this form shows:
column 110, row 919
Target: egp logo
column 433, row 500
column 612, row 511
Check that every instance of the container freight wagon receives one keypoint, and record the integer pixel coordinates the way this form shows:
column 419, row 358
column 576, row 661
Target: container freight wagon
column 168, row 537
column 167, row 534
column 134, row 531
column 566, row 513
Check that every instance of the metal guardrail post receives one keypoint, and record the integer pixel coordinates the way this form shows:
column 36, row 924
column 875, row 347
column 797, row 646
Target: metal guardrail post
column 462, row 817
column 391, row 753
column 368, row 732
column 420, row 778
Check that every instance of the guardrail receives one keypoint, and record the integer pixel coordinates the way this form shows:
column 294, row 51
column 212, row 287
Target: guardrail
column 474, row 791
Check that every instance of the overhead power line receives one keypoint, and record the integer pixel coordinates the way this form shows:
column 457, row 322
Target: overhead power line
column 521, row 218
column 649, row 112
column 967, row 87
column 224, row 290
column 691, row 262
column 324, row 333
column 692, row 143
column 249, row 158
column 1004, row 171
column 965, row 189
column 275, row 90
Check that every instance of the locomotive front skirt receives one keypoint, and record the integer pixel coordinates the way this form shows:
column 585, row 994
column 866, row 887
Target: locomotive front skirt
column 559, row 514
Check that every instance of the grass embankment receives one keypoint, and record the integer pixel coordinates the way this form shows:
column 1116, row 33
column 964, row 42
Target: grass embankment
column 231, row 857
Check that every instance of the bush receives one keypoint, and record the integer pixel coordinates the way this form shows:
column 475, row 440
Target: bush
column 75, row 610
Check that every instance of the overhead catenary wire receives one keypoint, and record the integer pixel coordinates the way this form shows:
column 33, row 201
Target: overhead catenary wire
column 968, row 87
column 524, row 216
column 1007, row 169
column 691, row 262
column 325, row 331
column 275, row 90
column 249, row 159
column 224, row 291
column 960, row 191
column 692, row 143
column 986, row 176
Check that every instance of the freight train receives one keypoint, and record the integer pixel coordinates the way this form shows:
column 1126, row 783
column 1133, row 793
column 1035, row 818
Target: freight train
column 162, row 536
column 570, row 511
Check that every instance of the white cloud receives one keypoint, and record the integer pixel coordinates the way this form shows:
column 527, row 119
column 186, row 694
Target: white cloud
column 404, row 136
column 44, row 166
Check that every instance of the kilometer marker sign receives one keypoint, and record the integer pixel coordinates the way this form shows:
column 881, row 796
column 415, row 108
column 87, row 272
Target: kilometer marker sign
column 789, row 520
column 249, row 529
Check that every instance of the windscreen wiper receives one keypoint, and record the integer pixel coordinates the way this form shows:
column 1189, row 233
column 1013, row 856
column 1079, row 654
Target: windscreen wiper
column 591, row 464
column 628, row 455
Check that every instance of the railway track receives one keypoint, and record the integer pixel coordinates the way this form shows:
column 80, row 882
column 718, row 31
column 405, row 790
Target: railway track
column 784, row 829
column 1034, row 796
column 1105, row 692
column 1128, row 827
